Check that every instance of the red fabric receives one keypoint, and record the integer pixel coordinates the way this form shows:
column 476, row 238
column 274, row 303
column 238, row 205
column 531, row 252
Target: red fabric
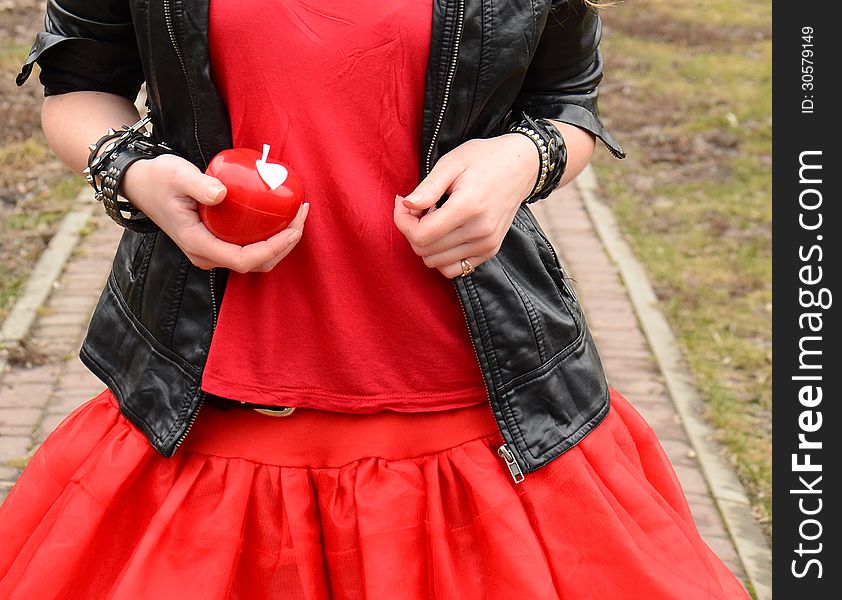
column 352, row 320
column 98, row 514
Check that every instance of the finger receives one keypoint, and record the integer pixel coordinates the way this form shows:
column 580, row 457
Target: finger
column 455, row 254
column 276, row 247
column 208, row 248
column 436, row 184
column 297, row 225
column 202, row 188
column 268, row 266
column 289, row 238
column 463, row 234
column 439, row 223
column 455, row 269
column 301, row 216
column 405, row 218
column 201, row 243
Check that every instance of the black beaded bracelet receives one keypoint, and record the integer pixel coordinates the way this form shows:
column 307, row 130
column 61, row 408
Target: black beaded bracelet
column 552, row 152
column 108, row 160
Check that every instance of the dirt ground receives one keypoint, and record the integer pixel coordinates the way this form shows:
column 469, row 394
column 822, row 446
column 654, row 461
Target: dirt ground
column 35, row 188
column 687, row 92
column 19, row 107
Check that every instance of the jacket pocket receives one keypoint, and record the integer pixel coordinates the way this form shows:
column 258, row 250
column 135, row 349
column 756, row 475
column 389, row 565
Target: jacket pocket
column 526, row 220
column 523, row 316
column 564, row 296
column 552, row 409
column 131, row 266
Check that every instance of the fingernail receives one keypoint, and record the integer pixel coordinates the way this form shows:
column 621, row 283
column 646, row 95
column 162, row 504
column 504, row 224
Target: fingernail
column 412, row 198
column 214, row 190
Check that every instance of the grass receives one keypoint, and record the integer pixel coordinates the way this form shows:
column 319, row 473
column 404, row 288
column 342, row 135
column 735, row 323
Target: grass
column 12, row 55
column 26, row 155
column 27, row 226
column 687, row 91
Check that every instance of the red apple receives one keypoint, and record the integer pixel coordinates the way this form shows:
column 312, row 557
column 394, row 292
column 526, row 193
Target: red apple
column 262, row 198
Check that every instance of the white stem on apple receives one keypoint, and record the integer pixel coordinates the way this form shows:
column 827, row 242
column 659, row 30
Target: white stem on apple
column 272, row 174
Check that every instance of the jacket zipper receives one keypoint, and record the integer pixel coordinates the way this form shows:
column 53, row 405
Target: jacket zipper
column 177, row 48
column 214, row 305
column 203, row 395
column 212, row 272
column 503, row 451
column 611, row 150
column 451, row 71
column 190, row 422
column 514, row 468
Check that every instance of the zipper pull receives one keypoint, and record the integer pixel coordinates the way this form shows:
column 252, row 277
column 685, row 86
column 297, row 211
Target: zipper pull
column 514, row 468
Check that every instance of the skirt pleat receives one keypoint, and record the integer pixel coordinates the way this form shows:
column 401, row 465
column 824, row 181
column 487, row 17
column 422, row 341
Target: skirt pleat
column 98, row 514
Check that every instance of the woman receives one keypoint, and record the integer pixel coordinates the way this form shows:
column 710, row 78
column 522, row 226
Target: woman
column 308, row 416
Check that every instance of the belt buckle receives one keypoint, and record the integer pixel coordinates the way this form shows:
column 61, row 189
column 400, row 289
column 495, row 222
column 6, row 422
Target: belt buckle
column 284, row 411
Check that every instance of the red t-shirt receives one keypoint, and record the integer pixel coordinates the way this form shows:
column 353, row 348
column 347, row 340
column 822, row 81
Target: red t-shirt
column 351, row 320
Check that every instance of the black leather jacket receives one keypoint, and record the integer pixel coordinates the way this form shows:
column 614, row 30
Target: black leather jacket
column 151, row 330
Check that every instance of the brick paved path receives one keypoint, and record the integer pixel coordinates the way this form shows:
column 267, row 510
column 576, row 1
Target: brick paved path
column 629, row 366
column 34, row 400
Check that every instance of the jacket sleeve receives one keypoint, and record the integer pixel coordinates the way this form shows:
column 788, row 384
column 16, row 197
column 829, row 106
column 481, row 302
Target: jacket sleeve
column 562, row 78
column 87, row 45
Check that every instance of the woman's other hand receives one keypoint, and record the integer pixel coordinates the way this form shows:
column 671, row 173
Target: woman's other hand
column 168, row 189
column 487, row 180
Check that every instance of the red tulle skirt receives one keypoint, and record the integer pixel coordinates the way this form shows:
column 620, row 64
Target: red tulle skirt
column 322, row 505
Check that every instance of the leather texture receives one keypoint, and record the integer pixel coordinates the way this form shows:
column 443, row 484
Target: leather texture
column 151, row 330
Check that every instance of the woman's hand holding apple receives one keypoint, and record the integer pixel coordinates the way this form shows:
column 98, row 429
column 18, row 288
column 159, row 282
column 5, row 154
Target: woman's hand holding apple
column 169, row 189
